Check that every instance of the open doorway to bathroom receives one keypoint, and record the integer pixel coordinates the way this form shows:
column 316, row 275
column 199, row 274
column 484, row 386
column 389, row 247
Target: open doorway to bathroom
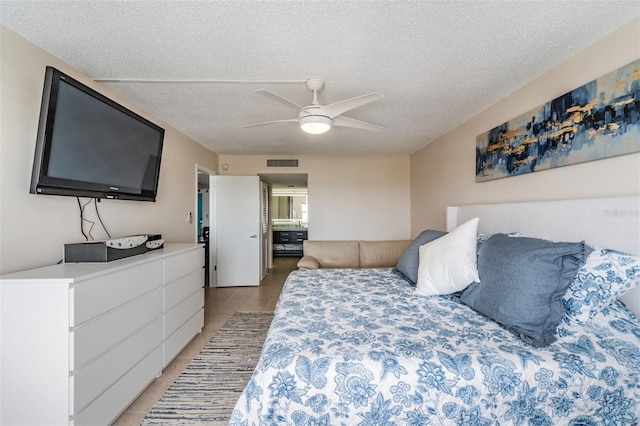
column 289, row 215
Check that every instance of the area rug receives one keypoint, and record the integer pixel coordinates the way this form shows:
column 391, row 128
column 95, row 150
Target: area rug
column 206, row 392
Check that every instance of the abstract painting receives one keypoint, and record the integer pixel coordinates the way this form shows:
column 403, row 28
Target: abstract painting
column 598, row 120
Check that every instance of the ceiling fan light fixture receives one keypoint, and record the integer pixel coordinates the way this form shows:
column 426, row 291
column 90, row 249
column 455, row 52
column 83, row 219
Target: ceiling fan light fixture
column 317, row 119
column 315, row 124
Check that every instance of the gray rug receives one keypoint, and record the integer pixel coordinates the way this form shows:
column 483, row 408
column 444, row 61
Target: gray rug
column 206, row 392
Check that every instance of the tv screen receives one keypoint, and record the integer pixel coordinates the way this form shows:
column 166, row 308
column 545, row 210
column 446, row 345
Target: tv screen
column 91, row 146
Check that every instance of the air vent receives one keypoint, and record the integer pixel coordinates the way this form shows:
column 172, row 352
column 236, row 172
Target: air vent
column 285, row 162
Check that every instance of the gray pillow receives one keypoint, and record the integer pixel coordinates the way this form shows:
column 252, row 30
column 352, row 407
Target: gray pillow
column 408, row 263
column 522, row 281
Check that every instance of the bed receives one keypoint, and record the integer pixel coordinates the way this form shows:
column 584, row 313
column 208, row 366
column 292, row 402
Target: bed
column 362, row 346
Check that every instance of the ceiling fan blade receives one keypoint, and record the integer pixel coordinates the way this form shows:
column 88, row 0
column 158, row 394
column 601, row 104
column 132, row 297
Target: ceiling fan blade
column 337, row 108
column 279, row 98
column 272, row 122
column 352, row 122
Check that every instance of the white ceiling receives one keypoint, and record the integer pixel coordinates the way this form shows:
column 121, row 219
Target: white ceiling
column 438, row 63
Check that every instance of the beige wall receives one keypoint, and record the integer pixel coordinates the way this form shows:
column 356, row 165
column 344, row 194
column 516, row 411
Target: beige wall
column 352, row 197
column 443, row 172
column 34, row 228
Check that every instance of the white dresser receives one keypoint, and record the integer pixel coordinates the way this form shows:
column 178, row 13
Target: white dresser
column 80, row 341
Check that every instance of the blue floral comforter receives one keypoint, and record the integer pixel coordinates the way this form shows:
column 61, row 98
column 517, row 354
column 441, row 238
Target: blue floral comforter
column 359, row 347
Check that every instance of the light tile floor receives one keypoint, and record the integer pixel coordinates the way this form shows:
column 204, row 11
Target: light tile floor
column 220, row 304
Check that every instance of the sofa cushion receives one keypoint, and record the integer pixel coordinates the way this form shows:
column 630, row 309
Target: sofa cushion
column 381, row 254
column 333, row 254
column 308, row 262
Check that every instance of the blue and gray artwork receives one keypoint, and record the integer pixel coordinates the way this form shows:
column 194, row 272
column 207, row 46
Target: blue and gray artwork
column 598, row 120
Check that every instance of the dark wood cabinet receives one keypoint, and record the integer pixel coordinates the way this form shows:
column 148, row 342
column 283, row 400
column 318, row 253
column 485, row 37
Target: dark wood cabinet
column 281, row 237
column 288, row 243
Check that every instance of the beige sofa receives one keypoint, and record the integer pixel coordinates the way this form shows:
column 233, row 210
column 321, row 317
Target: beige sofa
column 351, row 254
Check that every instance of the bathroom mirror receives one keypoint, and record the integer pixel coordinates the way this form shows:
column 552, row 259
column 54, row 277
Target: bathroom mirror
column 289, row 207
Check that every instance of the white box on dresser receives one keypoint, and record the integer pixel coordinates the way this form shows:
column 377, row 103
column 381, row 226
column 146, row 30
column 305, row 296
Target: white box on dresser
column 80, row 341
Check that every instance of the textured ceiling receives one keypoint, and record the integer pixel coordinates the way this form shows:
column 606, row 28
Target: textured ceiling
column 438, row 63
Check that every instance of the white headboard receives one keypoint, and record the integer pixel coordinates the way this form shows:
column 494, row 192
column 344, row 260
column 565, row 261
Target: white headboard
column 609, row 222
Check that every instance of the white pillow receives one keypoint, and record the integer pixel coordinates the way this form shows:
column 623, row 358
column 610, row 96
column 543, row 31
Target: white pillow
column 450, row 263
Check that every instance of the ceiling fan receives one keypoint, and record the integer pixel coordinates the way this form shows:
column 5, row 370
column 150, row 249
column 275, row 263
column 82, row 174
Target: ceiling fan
column 317, row 119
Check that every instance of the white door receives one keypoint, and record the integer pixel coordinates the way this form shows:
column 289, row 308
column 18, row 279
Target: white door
column 238, row 230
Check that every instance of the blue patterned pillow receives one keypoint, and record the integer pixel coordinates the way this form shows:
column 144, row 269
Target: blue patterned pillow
column 605, row 276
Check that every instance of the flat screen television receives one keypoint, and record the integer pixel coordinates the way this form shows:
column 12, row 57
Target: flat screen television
column 90, row 146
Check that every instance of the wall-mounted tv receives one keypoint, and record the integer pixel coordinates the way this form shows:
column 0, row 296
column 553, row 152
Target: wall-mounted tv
column 90, row 146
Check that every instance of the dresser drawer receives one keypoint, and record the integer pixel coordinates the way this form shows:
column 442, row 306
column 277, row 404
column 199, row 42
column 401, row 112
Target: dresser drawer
column 180, row 314
column 96, row 296
column 180, row 289
column 281, row 237
column 298, row 237
column 183, row 335
column 92, row 338
column 106, row 408
column 181, row 264
column 92, row 380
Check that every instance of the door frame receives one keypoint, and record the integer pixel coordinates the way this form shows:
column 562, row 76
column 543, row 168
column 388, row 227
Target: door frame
column 266, row 243
column 212, row 221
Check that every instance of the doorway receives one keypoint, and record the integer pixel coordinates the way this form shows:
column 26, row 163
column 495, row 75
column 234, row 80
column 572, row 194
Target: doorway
column 205, row 222
column 289, row 214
